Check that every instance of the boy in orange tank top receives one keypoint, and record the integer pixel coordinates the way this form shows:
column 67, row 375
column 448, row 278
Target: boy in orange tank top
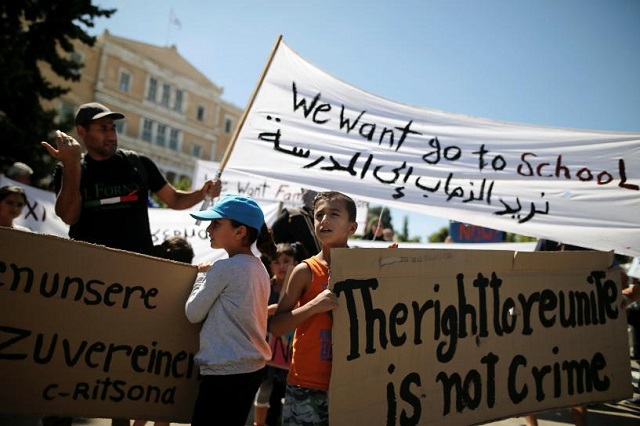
column 305, row 307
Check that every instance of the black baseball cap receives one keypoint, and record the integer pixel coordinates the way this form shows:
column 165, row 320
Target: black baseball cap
column 93, row 111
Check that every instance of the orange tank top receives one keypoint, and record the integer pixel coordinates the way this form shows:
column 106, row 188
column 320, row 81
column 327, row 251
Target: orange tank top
column 311, row 359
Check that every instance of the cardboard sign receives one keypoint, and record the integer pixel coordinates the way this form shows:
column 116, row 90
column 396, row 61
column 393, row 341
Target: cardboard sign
column 94, row 332
column 443, row 337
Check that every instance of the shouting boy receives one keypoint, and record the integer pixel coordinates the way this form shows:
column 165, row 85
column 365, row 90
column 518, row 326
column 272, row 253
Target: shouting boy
column 305, row 307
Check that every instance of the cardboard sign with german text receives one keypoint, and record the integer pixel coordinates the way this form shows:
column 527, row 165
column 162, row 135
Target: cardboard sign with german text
column 93, row 332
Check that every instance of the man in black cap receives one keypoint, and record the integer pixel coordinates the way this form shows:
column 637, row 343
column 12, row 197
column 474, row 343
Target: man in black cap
column 103, row 194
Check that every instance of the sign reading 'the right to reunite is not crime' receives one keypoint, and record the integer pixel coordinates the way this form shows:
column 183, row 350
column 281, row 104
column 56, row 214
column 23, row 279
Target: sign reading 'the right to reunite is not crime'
column 445, row 337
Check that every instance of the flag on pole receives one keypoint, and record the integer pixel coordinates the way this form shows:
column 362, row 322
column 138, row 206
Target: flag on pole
column 174, row 20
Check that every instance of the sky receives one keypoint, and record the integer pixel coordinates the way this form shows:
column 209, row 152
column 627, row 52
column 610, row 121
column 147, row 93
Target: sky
column 559, row 63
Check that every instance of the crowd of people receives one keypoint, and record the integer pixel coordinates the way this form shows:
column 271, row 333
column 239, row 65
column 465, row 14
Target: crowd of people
column 243, row 302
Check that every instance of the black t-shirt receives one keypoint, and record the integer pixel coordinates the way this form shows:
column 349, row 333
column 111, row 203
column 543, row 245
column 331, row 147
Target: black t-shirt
column 115, row 202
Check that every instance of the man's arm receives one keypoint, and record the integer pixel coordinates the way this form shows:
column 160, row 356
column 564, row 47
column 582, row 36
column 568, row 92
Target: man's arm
column 288, row 317
column 69, row 200
column 69, row 153
column 630, row 295
column 180, row 200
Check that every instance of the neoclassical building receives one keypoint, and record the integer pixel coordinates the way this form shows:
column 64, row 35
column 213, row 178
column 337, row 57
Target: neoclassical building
column 174, row 114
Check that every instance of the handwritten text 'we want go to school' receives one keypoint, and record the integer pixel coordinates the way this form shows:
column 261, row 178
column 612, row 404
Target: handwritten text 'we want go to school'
column 436, row 153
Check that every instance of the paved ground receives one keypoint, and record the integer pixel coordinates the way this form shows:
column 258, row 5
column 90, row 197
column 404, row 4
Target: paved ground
column 622, row 413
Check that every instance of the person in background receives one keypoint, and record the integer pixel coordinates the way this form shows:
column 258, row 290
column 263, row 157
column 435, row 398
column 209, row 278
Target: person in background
column 20, row 172
column 180, row 250
column 175, row 248
column 12, row 202
column 231, row 302
column 295, row 224
column 388, row 234
column 631, row 295
column 267, row 404
column 631, row 303
column 375, row 231
column 305, row 307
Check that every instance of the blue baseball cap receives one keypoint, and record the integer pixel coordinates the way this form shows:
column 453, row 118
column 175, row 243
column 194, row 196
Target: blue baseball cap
column 237, row 207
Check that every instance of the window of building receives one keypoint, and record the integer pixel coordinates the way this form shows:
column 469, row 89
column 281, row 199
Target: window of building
column 161, row 135
column 228, row 125
column 174, row 139
column 200, row 113
column 166, row 95
column 77, row 58
column 125, row 81
column 177, row 106
column 147, row 130
column 66, row 111
column 196, row 151
column 119, row 126
column 153, row 89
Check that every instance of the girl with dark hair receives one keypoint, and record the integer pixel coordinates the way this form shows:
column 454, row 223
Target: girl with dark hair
column 231, row 302
column 12, row 201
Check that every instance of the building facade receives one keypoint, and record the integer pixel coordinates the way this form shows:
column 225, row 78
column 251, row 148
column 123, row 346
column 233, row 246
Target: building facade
column 174, row 114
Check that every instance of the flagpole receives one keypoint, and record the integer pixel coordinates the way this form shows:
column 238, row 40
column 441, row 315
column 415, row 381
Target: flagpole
column 225, row 158
column 234, row 137
column 168, row 30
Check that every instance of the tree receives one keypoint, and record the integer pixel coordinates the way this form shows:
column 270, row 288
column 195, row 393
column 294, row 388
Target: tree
column 184, row 184
column 35, row 33
column 516, row 238
column 403, row 237
column 440, row 235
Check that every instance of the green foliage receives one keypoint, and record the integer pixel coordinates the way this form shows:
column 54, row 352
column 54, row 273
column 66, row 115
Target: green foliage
column 515, row 238
column 404, row 237
column 405, row 228
column 440, row 235
column 34, row 33
column 184, row 184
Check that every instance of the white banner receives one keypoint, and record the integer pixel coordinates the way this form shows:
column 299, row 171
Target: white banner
column 169, row 223
column 576, row 186
column 289, row 193
column 39, row 216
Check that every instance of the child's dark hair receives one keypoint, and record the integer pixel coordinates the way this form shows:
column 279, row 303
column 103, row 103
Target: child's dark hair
column 349, row 204
column 7, row 190
column 295, row 250
column 264, row 241
column 175, row 248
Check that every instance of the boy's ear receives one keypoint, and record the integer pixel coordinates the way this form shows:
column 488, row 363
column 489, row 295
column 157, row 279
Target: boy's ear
column 353, row 227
